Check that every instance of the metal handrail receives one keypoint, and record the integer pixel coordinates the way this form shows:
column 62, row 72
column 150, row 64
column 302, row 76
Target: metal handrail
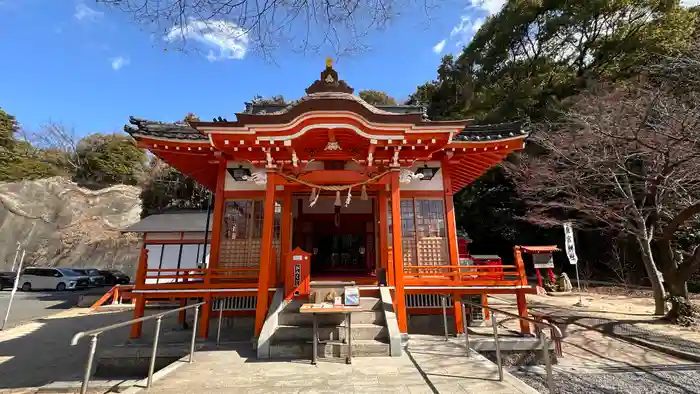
column 159, row 317
column 529, row 319
column 543, row 338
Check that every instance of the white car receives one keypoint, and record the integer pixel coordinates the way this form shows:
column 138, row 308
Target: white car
column 52, row 279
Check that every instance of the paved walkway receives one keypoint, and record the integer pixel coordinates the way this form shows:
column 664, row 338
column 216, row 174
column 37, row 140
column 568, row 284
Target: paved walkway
column 429, row 366
column 39, row 352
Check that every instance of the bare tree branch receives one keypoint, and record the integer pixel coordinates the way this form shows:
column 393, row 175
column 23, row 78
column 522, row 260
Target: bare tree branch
column 302, row 25
column 57, row 137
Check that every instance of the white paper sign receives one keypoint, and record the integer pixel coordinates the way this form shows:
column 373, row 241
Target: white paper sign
column 569, row 243
column 543, row 260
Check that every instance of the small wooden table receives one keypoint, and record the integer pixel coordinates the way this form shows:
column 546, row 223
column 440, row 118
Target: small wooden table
column 315, row 310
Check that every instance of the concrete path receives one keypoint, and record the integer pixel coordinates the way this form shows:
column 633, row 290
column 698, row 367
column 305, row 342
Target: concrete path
column 39, row 352
column 34, row 305
column 430, row 365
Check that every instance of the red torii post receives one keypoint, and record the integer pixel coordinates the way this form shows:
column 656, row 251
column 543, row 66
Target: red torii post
column 534, row 250
column 520, row 295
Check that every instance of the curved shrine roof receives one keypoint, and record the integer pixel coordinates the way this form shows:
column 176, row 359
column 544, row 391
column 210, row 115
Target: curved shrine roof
column 328, row 123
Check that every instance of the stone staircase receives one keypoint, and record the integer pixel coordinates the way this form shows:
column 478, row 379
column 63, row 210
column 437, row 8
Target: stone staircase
column 292, row 338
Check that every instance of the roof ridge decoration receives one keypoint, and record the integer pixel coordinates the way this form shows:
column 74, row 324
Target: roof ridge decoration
column 337, row 96
column 176, row 130
column 329, row 82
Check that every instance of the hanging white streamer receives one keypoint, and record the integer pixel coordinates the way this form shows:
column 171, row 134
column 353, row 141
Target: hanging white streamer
column 314, row 196
column 337, row 199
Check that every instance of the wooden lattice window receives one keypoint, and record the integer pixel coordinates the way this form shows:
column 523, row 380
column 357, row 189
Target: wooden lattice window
column 423, row 232
column 242, row 227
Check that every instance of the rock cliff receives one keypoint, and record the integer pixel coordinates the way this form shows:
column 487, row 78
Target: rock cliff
column 61, row 224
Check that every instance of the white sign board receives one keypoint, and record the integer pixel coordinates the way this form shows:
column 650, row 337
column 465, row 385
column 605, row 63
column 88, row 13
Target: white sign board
column 569, row 243
column 544, row 260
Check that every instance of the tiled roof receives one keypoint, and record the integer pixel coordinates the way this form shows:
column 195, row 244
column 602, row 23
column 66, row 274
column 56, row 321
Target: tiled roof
column 491, row 132
column 269, row 108
column 177, row 130
column 171, row 222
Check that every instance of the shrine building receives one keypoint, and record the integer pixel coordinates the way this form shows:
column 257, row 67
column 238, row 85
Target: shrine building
column 365, row 191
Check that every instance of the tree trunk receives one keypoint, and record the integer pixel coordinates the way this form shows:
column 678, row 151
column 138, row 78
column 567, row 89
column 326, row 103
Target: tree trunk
column 678, row 294
column 655, row 276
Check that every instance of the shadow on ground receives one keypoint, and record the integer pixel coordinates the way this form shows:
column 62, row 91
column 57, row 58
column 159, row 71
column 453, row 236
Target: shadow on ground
column 39, row 352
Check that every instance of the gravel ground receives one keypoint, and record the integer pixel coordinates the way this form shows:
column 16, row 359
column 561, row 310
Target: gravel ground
column 674, row 380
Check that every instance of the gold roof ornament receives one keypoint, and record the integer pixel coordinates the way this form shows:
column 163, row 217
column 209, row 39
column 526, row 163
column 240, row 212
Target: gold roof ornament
column 329, row 81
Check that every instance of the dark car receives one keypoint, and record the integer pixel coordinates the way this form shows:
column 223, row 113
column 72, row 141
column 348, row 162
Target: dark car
column 95, row 278
column 7, row 280
column 115, row 277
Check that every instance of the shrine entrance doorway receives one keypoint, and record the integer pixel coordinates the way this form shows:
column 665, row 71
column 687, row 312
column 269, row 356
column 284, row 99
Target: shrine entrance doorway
column 341, row 239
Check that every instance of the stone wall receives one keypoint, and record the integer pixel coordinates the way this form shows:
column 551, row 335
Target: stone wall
column 61, row 224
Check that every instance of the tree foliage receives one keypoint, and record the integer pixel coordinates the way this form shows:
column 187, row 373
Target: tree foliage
column 524, row 63
column 624, row 158
column 530, row 56
column 376, row 97
column 8, row 128
column 167, row 188
column 108, row 159
column 276, row 99
column 19, row 159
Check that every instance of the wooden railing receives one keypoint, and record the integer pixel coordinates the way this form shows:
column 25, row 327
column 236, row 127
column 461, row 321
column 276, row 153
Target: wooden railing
column 116, row 295
column 462, row 275
column 187, row 278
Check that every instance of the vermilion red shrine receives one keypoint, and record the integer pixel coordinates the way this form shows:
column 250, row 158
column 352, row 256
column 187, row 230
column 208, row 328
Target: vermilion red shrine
column 364, row 191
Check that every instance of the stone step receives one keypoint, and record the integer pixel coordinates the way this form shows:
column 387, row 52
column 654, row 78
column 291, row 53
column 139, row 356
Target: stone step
column 301, row 349
column 359, row 332
column 304, row 320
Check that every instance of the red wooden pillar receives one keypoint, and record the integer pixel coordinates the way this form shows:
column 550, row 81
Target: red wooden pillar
column 217, row 217
column 204, row 314
column 384, row 237
column 398, row 252
column 485, row 302
column 285, row 232
column 520, row 295
column 140, row 299
column 183, row 313
column 451, row 225
column 265, row 253
column 216, row 221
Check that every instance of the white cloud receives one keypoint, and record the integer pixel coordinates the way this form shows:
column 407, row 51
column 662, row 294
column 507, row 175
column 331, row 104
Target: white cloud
column 85, row 13
column 469, row 23
column 119, row 62
column 225, row 39
column 466, row 27
column 439, row 46
column 490, row 6
column 690, row 3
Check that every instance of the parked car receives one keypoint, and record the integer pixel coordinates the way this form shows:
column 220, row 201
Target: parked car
column 60, row 279
column 96, row 279
column 7, row 280
column 115, row 277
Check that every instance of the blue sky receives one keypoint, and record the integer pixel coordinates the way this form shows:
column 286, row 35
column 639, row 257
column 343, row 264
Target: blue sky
column 89, row 67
